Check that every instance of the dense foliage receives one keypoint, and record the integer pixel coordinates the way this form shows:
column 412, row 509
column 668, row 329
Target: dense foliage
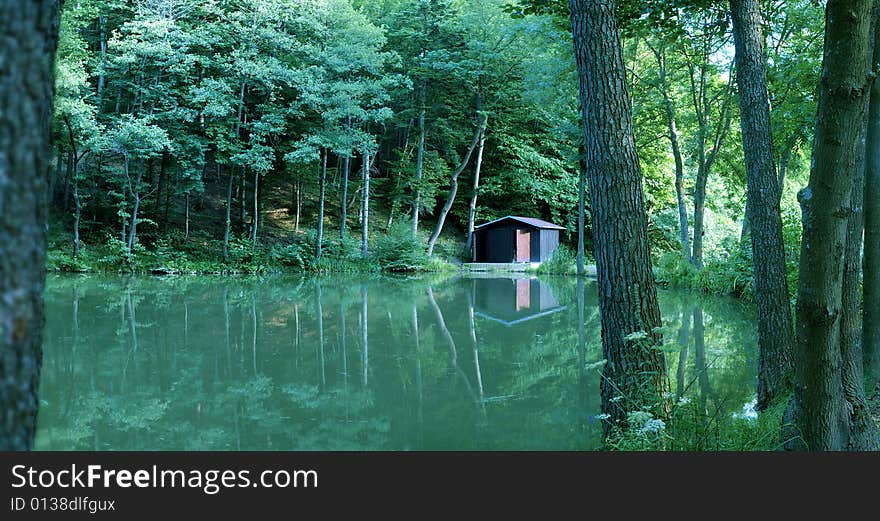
column 185, row 130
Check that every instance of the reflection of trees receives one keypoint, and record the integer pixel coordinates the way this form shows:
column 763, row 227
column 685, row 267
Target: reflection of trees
column 245, row 363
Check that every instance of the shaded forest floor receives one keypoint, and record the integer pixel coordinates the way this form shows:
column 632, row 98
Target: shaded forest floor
column 165, row 246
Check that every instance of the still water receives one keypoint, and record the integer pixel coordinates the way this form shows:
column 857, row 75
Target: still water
column 382, row 363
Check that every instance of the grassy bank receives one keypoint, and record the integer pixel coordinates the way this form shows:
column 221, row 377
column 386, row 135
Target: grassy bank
column 174, row 253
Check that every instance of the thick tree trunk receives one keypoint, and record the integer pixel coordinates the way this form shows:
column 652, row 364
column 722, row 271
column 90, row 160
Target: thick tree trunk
column 453, row 183
column 635, row 372
column 420, row 160
column 321, row 205
column 472, row 206
column 871, row 260
column 826, row 205
column 28, row 48
column 365, row 210
column 775, row 332
column 228, row 222
column 344, row 207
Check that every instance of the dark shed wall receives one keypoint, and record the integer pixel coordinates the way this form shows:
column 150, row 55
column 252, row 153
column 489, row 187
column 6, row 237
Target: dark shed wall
column 499, row 244
column 549, row 243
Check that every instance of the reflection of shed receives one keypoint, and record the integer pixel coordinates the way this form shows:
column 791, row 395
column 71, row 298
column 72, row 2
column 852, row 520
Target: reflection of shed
column 515, row 239
column 511, row 301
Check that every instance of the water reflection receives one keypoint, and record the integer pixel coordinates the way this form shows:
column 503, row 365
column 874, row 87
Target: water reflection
column 343, row 363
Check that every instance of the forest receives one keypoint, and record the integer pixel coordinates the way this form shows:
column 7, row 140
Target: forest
column 693, row 151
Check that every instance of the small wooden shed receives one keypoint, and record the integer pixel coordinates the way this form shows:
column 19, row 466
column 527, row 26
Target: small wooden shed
column 514, row 239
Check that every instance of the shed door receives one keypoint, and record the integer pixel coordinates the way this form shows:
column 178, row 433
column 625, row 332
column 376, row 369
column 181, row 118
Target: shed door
column 523, row 246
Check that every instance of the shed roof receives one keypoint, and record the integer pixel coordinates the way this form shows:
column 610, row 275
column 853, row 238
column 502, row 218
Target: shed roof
column 531, row 221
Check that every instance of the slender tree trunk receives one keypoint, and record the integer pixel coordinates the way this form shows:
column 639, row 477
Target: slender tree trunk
column 783, row 166
column 228, row 222
column 68, row 177
column 669, row 107
column 775, row 332
column 298, row 205
column 582, row 217
column 472, row 206
column 136, row 193
column 699, row 214
column 826, row 205
column 242, row 192
column 453, row 188
column 77, row 212
column 871, row 260
column 634, row 375
column 365, row 211
column 30, row 37
column 102, row 24
column 321, row 205
column 344, row 207
column 256, row 217
column 186, row 216
column 420, row 159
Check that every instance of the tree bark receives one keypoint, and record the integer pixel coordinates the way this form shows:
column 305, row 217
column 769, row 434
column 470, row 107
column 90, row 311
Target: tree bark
column 635, row 371
column 871, row 260
column 136, row 193
column 420, row 160
column 453, row 183
column 775, row 331
column 256, row 217
column 582, row 218
column 28, row 48
column 321, row 205
column 826, row 205
column 344, row 207
column 365, row 210
column 472, row 206
column 228, row 223
column 669, row 107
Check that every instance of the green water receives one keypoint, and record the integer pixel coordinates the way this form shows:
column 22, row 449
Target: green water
column 381, row 363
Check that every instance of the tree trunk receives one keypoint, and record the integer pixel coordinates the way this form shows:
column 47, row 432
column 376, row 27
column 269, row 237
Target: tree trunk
column 775, row 332
column 582, row 218
column 136, row 193
column 321, row 205
column 826, row 205
column 472, row 206
column 228, row 222
column 634, row 375
column 669, row 107
column 256, row 217
column 186, row 216
column 365, row 210
column 77, row 212
column 102, row 24
column 344, row 207
column 242, row 195
column 420, row 160
column 871, row 260
column 453, row 188
column 699, row 214
column 298, row 205
column 28, row 48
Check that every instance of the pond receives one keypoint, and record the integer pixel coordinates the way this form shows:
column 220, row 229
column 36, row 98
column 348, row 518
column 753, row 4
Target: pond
column 346, row 363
